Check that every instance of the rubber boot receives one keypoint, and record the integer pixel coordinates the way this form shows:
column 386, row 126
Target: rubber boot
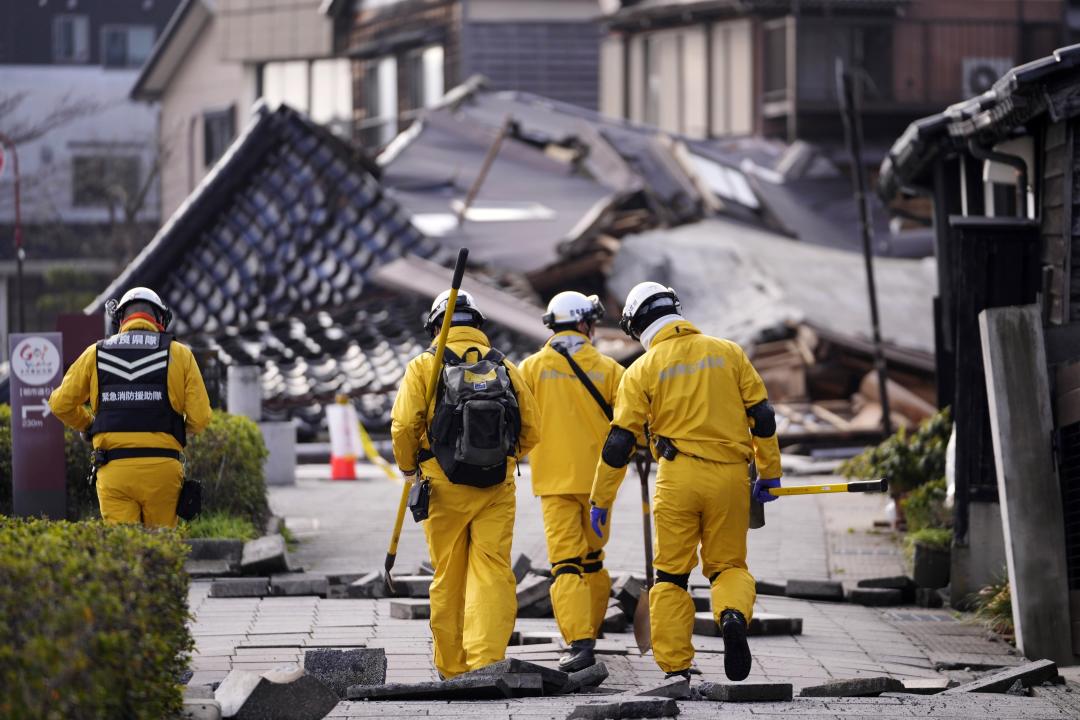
column 683, row 674
column 736, row 649
column 580, row 656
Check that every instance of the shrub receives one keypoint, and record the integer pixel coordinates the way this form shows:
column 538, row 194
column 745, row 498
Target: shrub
column 933, row 538
column 220, row 525
column 227, row 458
column 94, row 620
column 906, row 459
column 82, row 500
column 924, row 507
column 993, row 608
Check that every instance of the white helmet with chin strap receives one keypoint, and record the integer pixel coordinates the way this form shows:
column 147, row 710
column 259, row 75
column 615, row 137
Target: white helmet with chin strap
column 465, row 311
column 140, row 294
column 570, row 308
column 645, row 303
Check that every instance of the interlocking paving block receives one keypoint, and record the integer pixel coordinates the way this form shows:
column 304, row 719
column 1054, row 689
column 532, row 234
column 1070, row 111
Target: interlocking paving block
column 615, row 620
column 926, row 686
column 627, row 589
column 215, row 549
column 591, row 677
column 426, row 568
column 554, row 680
column 767, row 587
column 201, row 709
column 928, row 598
column 299, row 585
column 265, row 555
column 903, row 583
column 876, row 597
column 702, row 600
column 210, row 568
column 410, row 609
column 240, row 587
column 344, row 578
column 415, row 586
column 522, row 566
column 854, row 687
column 745, row 692
column 705, row 624
column 815, row 590
column 677, row 690
column 534, row 596
column 283, row 693
column 522, row 685
column 463, row 687
column 774, row 624
column 650, row 708
column 368, row 586
column 340, row 669
column 540, row 637
column 1029, row 674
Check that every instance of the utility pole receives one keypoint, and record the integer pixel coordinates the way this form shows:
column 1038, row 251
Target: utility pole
column 20, row 254
column 853, row 133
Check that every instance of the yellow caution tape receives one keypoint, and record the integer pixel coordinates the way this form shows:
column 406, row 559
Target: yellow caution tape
column 373, row 455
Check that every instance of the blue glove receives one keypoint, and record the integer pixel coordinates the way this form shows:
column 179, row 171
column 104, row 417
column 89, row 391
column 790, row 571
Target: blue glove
column 598, row 516
column 761, row 489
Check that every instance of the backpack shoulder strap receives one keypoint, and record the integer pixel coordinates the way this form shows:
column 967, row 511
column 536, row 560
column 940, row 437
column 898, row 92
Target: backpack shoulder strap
column 495, row 356
column 586, row 381
column 449, row 356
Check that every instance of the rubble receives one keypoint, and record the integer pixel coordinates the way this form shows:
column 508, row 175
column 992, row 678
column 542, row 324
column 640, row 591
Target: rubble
column 1029, row 674
column 626, row 589
column 340, row 669
column 368, row 586
column 745, row 692
column 554, row 680
column 876, row 597
column 284, row 693
column 591, row 677
column 463, row 687
column 522, row 565
column 534, row 597
column 676, row 690
column 299, row 585
column 410, row 609
column 265, row 555
column 854, row 687
column 652, row 708
column 240, row 587
column 615, row 620
column 815, row 590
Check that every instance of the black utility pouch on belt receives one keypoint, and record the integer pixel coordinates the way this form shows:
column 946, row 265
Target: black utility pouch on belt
column 189, row 504
column 665, row 448
column 419, row 499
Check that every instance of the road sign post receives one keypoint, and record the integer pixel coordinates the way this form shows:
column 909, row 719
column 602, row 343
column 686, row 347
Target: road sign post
column 38, row 472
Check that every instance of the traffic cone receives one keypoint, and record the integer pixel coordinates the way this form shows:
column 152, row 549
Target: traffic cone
column 344, row 439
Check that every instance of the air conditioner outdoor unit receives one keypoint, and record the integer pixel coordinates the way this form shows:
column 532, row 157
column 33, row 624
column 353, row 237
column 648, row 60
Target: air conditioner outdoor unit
column 980, row 73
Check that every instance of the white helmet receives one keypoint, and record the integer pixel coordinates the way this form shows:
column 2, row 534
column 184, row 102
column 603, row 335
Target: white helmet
column 140, row 294
column 645, row 303
column 465, row 310
column 570, row 308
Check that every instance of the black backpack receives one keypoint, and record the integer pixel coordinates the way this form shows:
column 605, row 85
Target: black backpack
column 477, row 421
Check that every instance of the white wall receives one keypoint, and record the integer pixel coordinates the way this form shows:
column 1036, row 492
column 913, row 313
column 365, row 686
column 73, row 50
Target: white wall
column 612, row 74
column 733, row 78
column 110, row 124
column 274, row 29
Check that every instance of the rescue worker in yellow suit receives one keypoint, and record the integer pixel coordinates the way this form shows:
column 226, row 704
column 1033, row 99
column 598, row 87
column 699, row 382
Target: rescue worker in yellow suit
column 146, row 395
column 708, row 415
column 572, row 429
column 469, row 529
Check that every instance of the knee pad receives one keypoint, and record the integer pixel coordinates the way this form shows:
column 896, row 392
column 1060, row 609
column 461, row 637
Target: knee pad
column 593, row 562
column 618, row 447
column 570, row 566
column 682, row 580
column 764, row 418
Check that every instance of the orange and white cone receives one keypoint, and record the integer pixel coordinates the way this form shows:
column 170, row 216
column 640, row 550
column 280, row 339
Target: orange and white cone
column 345, row 446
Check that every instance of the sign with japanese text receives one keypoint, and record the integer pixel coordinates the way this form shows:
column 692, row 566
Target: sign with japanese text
column 37, row 441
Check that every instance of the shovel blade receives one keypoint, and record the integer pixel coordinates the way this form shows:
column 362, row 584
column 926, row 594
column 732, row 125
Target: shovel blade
column 642, row 628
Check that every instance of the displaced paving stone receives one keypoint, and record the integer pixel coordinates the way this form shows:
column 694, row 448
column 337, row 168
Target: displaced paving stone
column 368, row 586
column 615, row 620
column 215, row 549
column 426, row 568
column 240, row 587
column 702, row 600
column 285, row 693
column 539, row 637
column 903, row 583
column 767, row 587
column 534, row 596
column 264, row 556
column 340, row 669
column 201, row 709
column 627, row 589
column 815, row 590
column 677, row 690
column 705, row 625
column 463, row 687
column 410, row 609
column 652, row 708
column 414, row 586
column 198, row 692
column 855, row 687
column 524, row 685
column 876, row 597
column 343, row 578
column 591, row 677
column 554, row 680
column 1029, row 674
column 299, row 585
column 522, row 566
column 926, row 686
column 928, row 598
column 774, row 624
column 745, row 692
column 209, row 568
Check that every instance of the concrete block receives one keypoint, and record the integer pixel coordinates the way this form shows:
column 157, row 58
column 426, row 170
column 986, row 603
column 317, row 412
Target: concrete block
column 368, row 586
column 415, row 586
column 542, row 569
column 522, row 566
column 1029, row 674
column 264, row 556
column 344, row 578
column 522, row 685
column 410, row 609
column 240, row 587
column 615, row 621
column 243, row 391
column 702, row 600
column 198, row 692
column 426, row 568
column 876, row 597
column 299, row 585
column 815, row 590
column 590, row 677
column 280, row 464
column 903, row 583
column 215, row 549
column 926, row 686
column 201, row 709
column 645, row 708
column 534, row 596
column 855, row 687
column 746, row 692
column 767, row 587
column 554, row 680
column 705, row 624
column 773, row 624
column 676, row 690
column 210, row 568
column 627, row 589
column 340, row 669
column 463, row 687
column 285, row 693
column 928, row 598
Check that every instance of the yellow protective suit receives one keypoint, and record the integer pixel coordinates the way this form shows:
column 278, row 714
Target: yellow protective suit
column 136, row 489
column 694, row 390
column 469, row 530
column 573, row 428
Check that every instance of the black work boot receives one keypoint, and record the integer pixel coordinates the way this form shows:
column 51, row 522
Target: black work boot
column 678, row 674
column 580, row 656
column 736, row 649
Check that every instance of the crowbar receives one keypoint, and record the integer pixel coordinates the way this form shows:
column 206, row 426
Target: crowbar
column 866, row 486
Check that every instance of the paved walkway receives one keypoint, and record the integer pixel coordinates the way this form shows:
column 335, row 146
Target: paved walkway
column 344, row 526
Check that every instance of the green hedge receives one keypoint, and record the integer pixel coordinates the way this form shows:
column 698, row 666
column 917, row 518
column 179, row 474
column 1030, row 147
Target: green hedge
column 94, row 620
column 907, row 459
column 227, row 458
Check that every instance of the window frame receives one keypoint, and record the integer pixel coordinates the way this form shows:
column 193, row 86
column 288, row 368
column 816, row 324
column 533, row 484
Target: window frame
column 126, row 28
column 209, row 117
column 76, row 20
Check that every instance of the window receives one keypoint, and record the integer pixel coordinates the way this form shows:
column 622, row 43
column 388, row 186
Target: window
column 99, row 180
column 380, row 102
column 865, row 49
column 71, row 39
column 423, row 69
column 776, row 80
column 219, row 129
column 126, row 46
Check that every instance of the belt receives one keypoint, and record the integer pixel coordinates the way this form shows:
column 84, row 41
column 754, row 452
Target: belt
column 103, row 457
